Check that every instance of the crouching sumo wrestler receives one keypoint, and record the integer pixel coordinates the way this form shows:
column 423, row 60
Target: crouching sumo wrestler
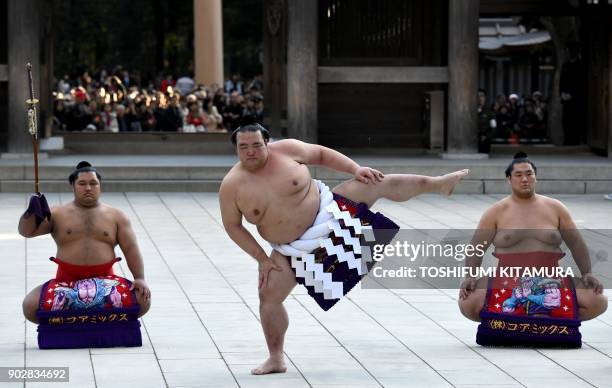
column 525, row 309
column 86, row 304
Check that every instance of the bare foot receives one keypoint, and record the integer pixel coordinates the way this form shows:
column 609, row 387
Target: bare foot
column 271, row 365
column 449, row 181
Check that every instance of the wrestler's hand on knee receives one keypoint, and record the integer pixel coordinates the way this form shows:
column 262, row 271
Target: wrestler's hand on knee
column 265, row 266
column 141, row 287
column 367, row 175
column 467, row 286
column 591, row 281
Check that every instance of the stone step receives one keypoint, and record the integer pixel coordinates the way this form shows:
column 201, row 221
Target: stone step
column 62, row 186
column 132, row 143
column 556, row 175
column 483, row 186
column 575, row 172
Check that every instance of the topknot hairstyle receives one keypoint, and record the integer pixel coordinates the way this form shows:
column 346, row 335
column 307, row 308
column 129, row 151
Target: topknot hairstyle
column 83, row 166
column 252, row 126
column 519, row 157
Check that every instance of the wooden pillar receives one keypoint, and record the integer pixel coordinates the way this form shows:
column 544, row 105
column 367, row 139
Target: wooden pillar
column 463, row 77
column 499, row 77
column 23, row 47
column 46, row 69
column 610, row 87
column 302, row 62
column 208, row 41
column 274, row 66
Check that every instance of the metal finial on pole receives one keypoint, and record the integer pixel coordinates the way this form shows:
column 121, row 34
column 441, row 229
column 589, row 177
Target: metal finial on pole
column 33, row 125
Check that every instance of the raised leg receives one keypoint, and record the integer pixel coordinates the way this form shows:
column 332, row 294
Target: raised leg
column 274, row 318
column 30, row 304
column 399, row 187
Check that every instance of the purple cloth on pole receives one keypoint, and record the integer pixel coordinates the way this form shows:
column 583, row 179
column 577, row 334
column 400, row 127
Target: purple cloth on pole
column 39, row 208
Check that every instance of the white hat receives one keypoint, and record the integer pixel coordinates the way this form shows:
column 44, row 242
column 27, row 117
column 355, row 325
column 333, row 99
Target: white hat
column 514, row 95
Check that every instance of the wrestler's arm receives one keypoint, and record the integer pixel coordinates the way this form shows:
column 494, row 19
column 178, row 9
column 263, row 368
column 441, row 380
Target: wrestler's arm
column 572, row 237
column 232, row 222
column 129, row 245
column 483, row 235
column 27, row 225
column 314, row 154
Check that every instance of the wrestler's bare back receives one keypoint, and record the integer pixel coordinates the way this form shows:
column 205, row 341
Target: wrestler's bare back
column 526, row 226
column 85, row 236
column 281, row 198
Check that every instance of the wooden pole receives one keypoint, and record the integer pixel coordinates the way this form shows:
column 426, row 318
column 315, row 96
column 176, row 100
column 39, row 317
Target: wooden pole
column 463, row 77
column 302, row 62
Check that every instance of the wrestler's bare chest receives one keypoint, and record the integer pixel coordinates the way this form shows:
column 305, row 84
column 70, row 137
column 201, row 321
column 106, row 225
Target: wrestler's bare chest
column 527, row 227
column 73, row 225
column 282, row 201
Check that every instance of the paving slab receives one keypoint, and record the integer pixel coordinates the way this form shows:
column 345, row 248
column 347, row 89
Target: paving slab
column 203, row 328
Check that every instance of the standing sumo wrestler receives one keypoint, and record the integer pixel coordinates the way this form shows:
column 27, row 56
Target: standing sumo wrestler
column 271, row 188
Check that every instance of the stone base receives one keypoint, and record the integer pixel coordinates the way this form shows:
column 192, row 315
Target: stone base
column 462, row 156
column 21, row 156
column 147, row 143
column 53, row 143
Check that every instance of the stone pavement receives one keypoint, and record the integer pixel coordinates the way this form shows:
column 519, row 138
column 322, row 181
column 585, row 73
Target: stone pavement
column 203, row 328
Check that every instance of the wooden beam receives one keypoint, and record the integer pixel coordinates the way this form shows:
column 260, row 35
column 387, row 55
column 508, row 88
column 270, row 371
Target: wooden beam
column 3, row 73
column 390, row 74
column 527, row 7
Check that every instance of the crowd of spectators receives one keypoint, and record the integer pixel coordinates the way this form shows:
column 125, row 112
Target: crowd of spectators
column 117, row 102
column 513, row 120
